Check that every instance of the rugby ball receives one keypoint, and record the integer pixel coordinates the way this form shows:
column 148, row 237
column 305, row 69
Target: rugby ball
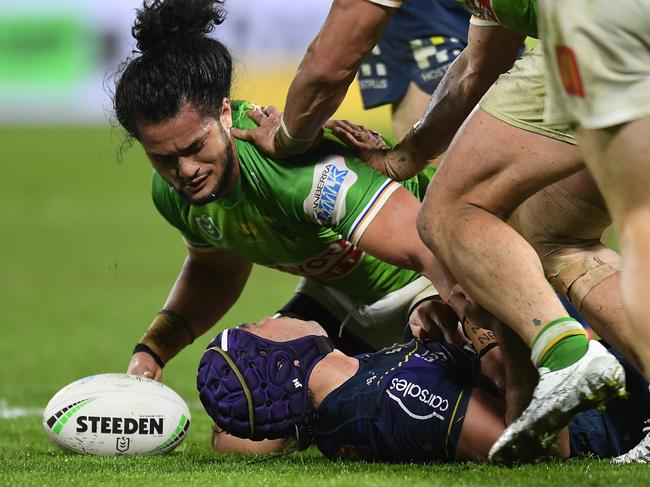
column 116, row 414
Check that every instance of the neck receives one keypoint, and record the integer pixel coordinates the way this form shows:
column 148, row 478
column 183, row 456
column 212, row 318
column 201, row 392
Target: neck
column 330, row 373
column 236, row 170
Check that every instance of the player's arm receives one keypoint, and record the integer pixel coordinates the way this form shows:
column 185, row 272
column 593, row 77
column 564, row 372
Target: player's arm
column 392, row 236
column 208, row 285
column 350, row 31
column 491, row 50
column 223, row 442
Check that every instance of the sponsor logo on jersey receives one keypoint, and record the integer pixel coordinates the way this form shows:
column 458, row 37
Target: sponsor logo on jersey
column 569, row 72
column 403, row 389
column 207, row 225
column 117, row 425
column 325, row 203
column 339, row 259
column 482, row 9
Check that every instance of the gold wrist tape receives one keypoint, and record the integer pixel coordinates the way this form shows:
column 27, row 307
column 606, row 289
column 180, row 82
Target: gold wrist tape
column 167, row 335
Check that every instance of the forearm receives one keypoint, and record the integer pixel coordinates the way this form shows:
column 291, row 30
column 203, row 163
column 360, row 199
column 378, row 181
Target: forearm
column 490, row 52
column 350, row 31
column 199, row 298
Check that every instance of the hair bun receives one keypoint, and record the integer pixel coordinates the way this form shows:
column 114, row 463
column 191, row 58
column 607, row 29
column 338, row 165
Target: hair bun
column 161, row 21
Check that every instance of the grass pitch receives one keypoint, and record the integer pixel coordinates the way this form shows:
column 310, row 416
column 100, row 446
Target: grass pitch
column 86, row 262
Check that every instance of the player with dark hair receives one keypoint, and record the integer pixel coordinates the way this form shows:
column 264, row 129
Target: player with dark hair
column 347, row 229
column 282, row 380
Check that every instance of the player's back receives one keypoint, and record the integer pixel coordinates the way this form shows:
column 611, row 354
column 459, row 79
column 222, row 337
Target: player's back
column 405, row 403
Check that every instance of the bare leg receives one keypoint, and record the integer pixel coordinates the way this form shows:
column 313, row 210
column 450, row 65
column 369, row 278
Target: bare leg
column 482, row 426
column 619, row 160
column 565, row 223
column 408, row 110
column 462, row 218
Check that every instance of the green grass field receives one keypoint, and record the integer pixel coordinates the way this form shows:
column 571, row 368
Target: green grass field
column 86, row 262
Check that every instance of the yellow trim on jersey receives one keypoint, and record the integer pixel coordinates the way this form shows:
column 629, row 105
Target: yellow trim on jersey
column 451, row 421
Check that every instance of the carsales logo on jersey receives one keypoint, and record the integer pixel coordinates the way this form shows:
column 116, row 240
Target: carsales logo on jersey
column 404, row 389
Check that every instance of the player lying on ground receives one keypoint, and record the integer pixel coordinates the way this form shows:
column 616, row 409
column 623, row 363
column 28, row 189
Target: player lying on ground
column 325, row 216
column 420, row 401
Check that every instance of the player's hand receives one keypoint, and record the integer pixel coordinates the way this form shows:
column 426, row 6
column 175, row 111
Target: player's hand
column 397, row 163
column 468, row 309
column 144, row 365
column 268, row 121
column 265, row 137
column 435, row 320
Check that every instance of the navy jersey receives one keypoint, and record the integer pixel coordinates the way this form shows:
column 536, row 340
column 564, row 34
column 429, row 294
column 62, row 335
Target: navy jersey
column 419, row 44
column 620, row 427
column 405, row 403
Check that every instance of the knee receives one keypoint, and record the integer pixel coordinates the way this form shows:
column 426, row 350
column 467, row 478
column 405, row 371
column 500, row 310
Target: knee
column 565, row 231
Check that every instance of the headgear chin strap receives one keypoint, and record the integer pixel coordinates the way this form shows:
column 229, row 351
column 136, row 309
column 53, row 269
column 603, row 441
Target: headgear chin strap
column 257, row 388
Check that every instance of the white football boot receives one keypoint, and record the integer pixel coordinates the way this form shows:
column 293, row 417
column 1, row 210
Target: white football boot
column 558, row 397
column 638, row 454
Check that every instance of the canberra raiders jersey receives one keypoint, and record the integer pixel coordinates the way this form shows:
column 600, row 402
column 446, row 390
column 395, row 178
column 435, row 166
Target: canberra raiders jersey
column 303, row 216
column 405, row 403
column 517, row 15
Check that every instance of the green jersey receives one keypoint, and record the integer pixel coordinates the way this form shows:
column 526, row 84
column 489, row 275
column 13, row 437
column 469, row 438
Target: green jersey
column 517, row 15
column 304, row 216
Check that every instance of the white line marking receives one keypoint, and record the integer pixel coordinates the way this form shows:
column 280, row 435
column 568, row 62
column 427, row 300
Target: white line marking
column 7, row 412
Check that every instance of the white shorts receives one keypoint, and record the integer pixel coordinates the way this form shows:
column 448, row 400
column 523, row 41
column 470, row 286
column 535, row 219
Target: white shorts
column 598, row 60
column 379, row 324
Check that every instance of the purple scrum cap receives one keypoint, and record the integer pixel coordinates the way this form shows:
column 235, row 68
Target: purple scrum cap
column 257, row 388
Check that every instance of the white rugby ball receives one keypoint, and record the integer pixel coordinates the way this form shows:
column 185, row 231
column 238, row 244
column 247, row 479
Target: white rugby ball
column 116, row 414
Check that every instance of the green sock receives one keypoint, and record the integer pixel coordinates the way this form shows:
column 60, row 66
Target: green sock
column 560, row 343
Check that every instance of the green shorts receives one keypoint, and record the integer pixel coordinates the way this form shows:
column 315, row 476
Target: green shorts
column 518, row 96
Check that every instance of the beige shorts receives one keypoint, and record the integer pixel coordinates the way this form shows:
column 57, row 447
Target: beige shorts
column 517, row 98
column 598, row 60
column 379, row 324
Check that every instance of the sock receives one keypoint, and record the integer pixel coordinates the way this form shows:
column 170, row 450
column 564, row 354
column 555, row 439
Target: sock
column 560, row 343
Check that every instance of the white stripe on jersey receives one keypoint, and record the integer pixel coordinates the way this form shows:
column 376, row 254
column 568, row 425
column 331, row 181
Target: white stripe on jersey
column 388, row 3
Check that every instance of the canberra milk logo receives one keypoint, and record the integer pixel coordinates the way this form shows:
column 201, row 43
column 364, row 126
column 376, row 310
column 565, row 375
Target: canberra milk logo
column 404, row 389
column 206, row 224
column 325, row 203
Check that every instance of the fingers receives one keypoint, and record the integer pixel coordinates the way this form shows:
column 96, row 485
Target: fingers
column 241, row 134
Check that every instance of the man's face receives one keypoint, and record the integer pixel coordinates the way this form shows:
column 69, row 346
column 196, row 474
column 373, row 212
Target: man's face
column 283, row 329
column 194, row 153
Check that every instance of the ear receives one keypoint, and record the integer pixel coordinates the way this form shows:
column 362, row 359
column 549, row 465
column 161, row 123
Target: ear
column 225, row 117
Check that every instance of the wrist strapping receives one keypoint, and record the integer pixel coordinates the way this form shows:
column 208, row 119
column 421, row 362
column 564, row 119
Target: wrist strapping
column 287, row 144
column 487, row 348
column 141, row 347
column 168, row 334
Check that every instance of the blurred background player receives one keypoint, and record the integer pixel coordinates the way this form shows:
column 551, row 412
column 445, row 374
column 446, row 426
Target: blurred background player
column 421, row 41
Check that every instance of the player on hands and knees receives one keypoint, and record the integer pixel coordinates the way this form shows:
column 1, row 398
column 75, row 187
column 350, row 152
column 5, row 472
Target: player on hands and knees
column 330, row 219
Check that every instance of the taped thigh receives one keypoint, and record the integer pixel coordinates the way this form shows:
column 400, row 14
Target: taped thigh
column 566, row 231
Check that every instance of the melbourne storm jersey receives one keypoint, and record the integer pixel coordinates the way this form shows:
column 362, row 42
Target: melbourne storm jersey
column 405, row 403
column 303, row 216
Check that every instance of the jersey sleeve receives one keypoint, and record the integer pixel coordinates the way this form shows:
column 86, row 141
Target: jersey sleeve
column 388, row 3
column 170, row 206
column 346, row 195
